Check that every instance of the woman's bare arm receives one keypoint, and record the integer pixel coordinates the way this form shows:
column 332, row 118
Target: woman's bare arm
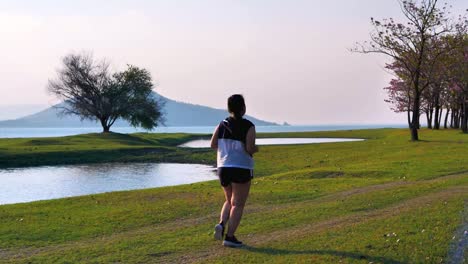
column 214, row 139
column 250, row 146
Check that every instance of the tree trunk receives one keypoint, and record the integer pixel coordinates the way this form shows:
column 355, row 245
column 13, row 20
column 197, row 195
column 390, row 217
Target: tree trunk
column 460, row 115
column 429, row 121
column 464, row 117
column 437, row 116
column 456, row 119
column 414, row 132
column 446, row 118
column 409, row 118
column 437, row 111
column 452, row 118
column 429, row 115
column 105, row 126
column 440, row 117
column 415, row 121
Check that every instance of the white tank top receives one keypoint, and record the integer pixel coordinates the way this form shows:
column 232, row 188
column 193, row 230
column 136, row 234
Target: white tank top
column 232, row 135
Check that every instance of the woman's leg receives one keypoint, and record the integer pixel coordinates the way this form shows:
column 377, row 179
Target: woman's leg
column 225, row 211
column 240, row 192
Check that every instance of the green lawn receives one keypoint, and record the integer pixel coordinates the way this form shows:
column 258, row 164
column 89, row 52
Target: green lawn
column 96, row 148
column 383, row 200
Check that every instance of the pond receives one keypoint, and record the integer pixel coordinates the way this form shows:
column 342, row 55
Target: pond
column 205, row 143
column 43, row 183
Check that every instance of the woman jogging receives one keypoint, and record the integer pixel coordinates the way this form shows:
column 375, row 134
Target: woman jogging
column 234, row 140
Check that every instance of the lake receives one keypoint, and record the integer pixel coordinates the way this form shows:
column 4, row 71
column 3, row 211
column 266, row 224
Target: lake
column 59, row 132
column 204, row 143
column 51, row 182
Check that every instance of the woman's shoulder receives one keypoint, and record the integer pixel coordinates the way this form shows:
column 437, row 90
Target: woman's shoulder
column 225, row 120
column 248, row 122
column 243, row 122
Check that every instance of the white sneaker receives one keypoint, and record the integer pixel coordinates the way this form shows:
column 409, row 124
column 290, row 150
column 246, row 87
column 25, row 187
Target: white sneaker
column 219, row 232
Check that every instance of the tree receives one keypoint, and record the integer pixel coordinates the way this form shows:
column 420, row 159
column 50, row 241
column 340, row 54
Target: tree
column 408, row 44
column 399, row 91
column 433, row 95
column 398, row 98
column 92, row 92
column 458, row 74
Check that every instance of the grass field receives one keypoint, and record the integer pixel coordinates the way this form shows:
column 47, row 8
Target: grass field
column 383, row 200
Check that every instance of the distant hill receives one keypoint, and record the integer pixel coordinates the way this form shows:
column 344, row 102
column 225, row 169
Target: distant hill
column 177, row 114
column 9, row 112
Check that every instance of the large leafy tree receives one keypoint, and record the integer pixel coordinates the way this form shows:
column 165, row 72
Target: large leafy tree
column 92, row 92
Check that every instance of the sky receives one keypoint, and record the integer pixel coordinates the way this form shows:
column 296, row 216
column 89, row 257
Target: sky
column 290, row 59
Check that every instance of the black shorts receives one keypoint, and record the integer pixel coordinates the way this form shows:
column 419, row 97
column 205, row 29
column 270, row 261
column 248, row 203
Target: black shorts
column 237, row 175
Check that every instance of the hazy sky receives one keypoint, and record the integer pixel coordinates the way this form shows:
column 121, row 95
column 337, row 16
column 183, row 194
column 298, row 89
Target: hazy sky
column 289, row 58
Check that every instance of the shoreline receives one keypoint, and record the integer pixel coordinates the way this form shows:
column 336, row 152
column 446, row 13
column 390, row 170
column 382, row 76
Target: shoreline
column 137, row 147
column 26, row 132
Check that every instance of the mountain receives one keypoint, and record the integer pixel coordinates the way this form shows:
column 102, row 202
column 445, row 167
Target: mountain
column 177, row 114
column 8, row 112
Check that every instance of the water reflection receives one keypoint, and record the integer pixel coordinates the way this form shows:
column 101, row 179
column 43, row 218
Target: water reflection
column 40, row 183
column 204, row 143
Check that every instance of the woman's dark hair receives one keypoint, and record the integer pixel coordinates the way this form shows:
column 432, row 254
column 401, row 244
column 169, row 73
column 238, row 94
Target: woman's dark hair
column 236, row 105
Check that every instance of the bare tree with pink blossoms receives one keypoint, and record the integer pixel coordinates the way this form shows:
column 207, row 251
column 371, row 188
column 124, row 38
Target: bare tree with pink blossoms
column 458, row 74
column 408, row 44
column 399, row 92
